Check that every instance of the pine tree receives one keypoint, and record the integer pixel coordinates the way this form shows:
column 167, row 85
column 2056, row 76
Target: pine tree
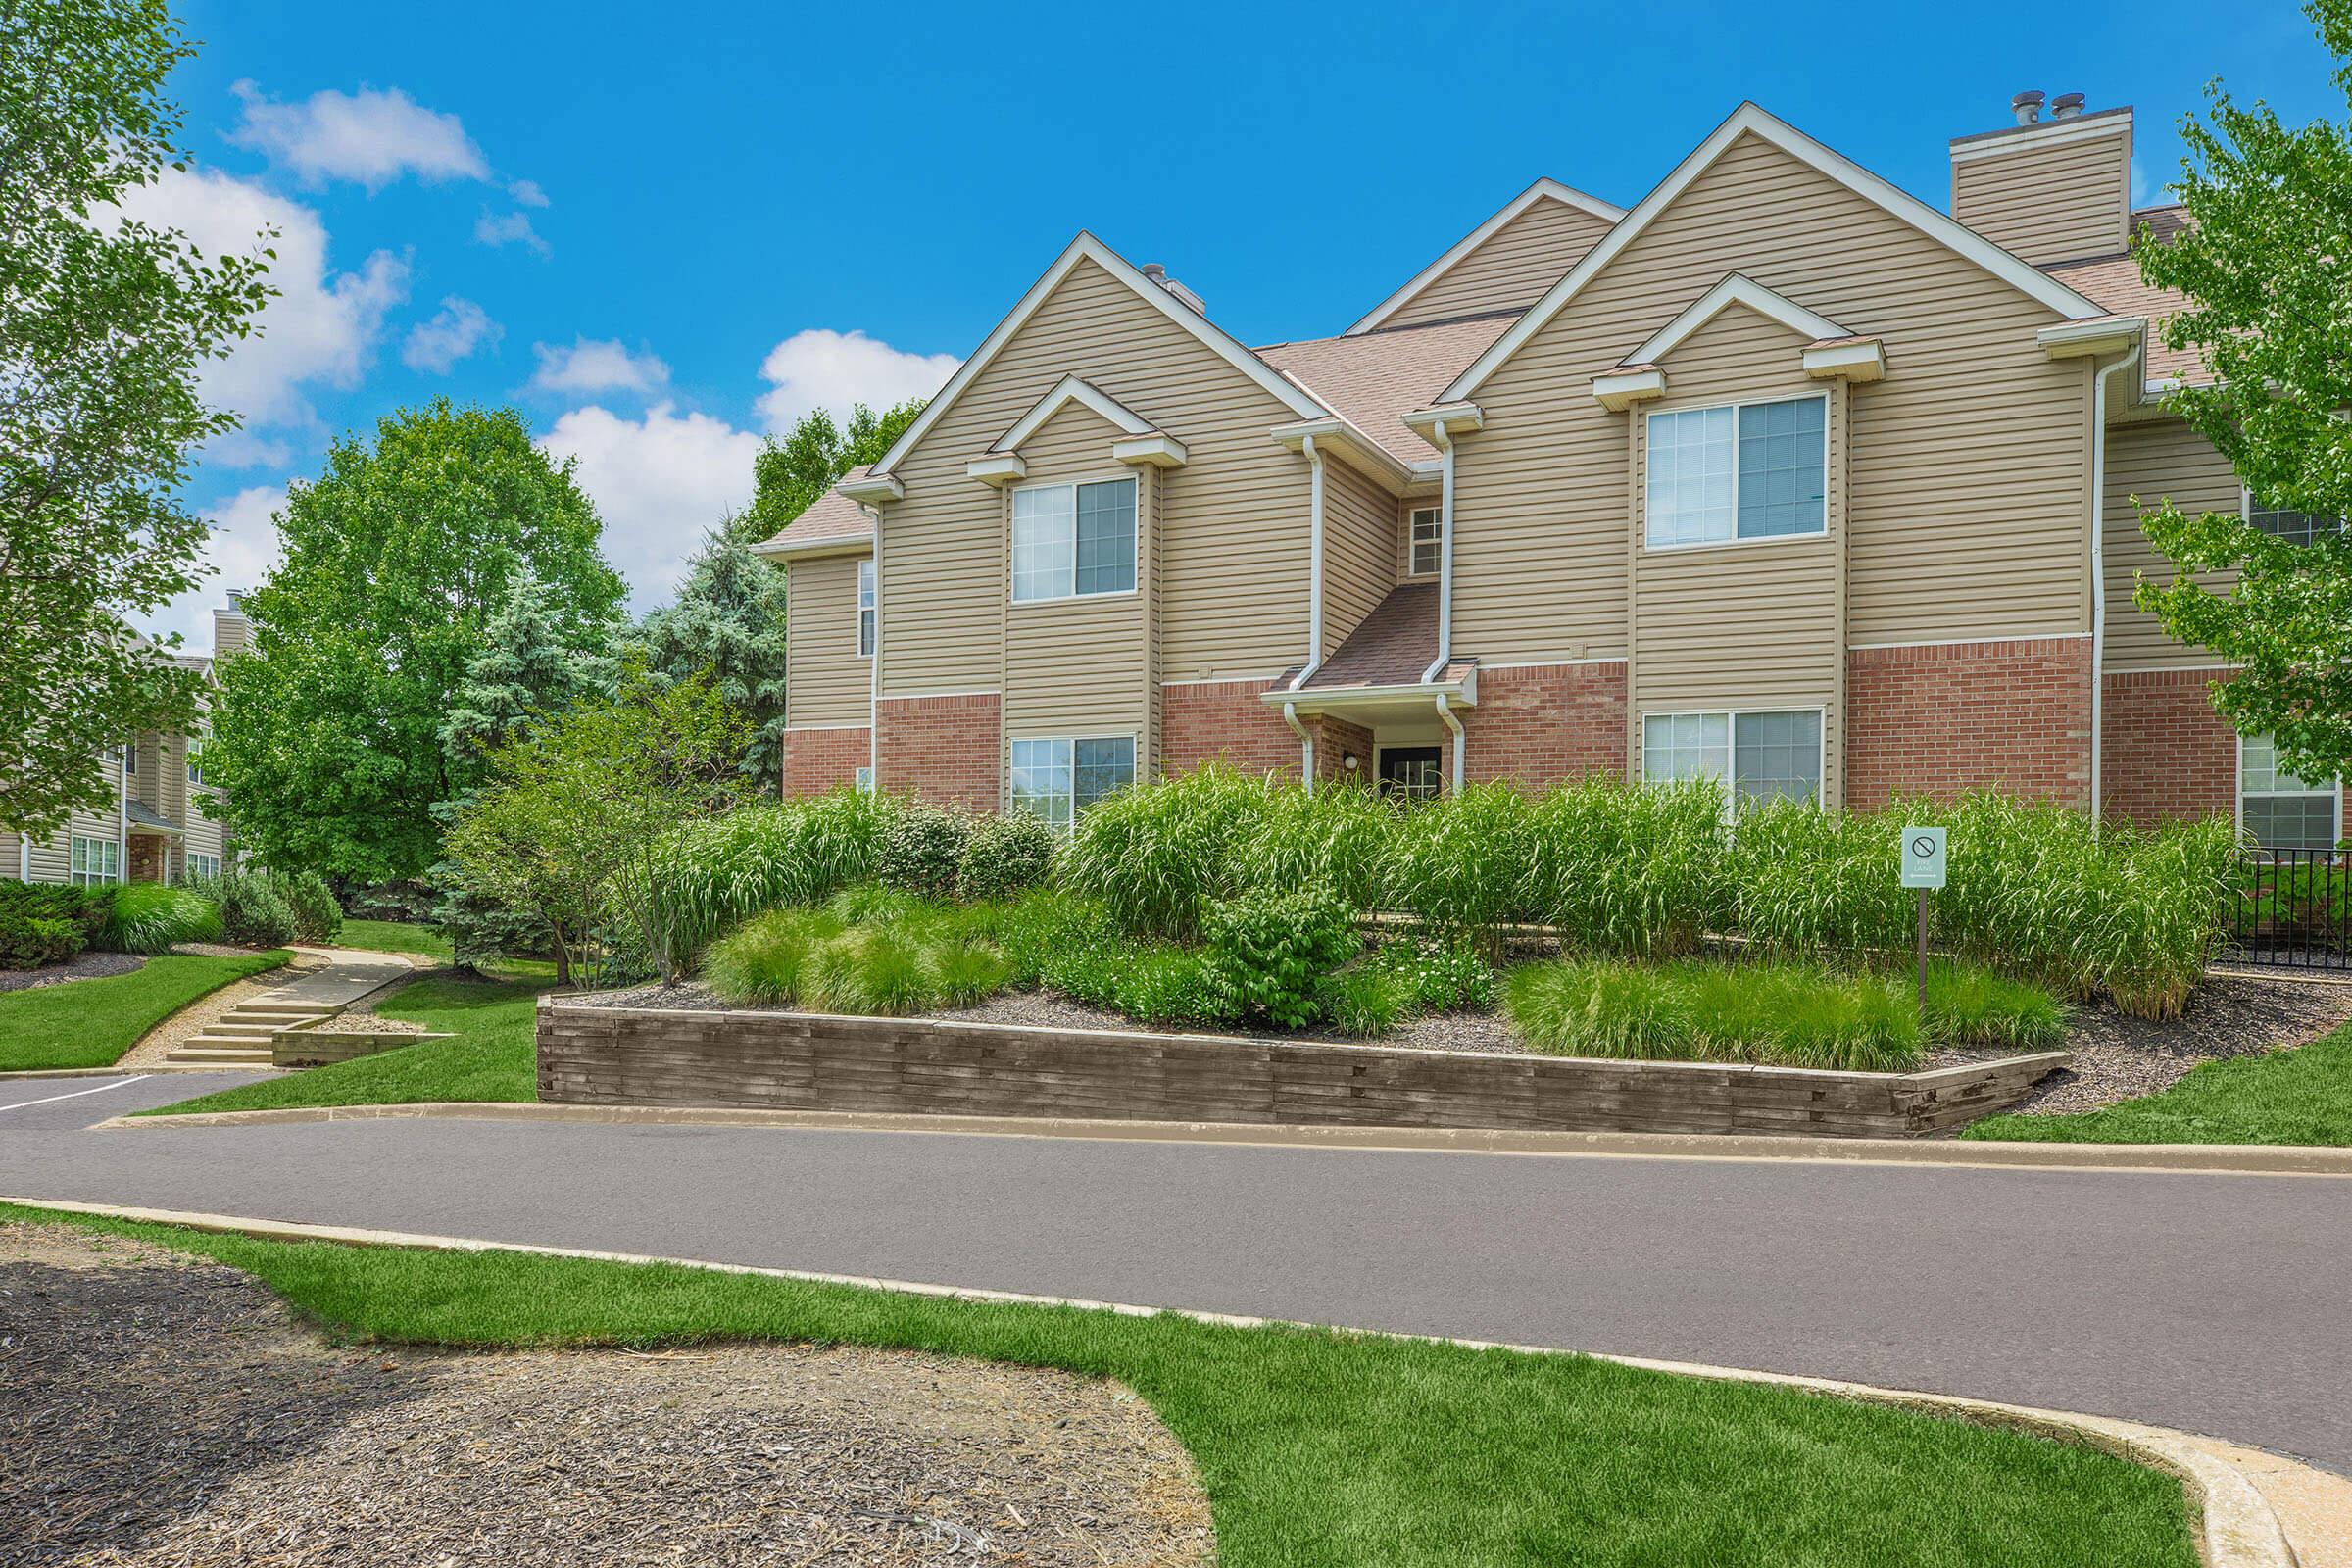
column 532, row 665
column 730, row 621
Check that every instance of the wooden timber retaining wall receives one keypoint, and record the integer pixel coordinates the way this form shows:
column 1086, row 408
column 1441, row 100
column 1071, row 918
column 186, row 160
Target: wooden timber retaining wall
column 813, row 1061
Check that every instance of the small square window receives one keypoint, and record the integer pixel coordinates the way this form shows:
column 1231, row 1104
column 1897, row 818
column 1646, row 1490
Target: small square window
column 1428, row 541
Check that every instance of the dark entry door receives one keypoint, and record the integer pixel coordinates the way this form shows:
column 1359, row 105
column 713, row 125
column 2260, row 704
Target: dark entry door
column 1411, row 772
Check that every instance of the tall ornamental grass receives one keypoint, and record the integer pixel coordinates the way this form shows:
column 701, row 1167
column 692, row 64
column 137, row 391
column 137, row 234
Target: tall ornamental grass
column 1460, row 861
column 768, row 856
column 150, row 918
column 1790, row 1015
column 1627, row 868
column 1157, row 856
column 1806, row 882
column 1336, row 837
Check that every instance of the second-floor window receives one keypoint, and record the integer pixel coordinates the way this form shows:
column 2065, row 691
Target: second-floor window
column 1752, row 471
column 1073, row 539
column 865, row 607
column 2292, row 527
column 1429, row 540
column 131, row 759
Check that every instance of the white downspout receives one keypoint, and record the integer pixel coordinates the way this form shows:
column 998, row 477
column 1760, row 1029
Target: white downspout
column 1437, row 665
column 2099, row 568
column 1453, row 722
column 873, row 671
column 1314, row 572
column 1306, row 744
column 123, row 813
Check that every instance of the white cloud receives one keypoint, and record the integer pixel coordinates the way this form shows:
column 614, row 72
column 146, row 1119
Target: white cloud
column 820, row 369
column 591, row 365
column 368, row 136
column 660, row 483
column 453, row 332
column 515, row 228
column 322, row 325
column 526, row 193
column 242, row 548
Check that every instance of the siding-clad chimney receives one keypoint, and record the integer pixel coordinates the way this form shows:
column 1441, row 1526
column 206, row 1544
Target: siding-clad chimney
column 233, row 633
column 2054, row 190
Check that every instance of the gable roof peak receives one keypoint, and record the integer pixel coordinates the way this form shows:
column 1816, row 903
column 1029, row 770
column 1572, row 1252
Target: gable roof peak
column 1543, row 189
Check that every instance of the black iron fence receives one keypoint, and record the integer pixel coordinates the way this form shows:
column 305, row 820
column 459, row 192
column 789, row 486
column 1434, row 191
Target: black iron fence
column 2292, row 907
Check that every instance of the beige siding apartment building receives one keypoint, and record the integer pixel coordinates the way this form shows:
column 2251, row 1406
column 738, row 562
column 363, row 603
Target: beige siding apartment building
column 156, row 829
column 1782, row 476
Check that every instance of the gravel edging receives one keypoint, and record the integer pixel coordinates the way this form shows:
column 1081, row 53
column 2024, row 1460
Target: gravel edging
column 82, row 966
column 162, row 1411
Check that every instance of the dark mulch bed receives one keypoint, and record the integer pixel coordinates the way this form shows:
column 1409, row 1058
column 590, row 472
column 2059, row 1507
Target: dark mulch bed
column 158, row 1411
column 83, row 967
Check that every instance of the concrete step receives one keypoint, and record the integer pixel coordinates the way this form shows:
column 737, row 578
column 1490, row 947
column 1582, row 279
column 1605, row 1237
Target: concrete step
column 230, row 1042
column 243, row 1056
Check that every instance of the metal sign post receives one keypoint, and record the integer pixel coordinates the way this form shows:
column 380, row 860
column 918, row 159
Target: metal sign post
column 1923, row 868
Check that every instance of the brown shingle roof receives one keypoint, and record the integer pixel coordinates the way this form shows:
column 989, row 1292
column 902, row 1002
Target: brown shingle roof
column 2113, row 282
column 831, row 516
column 1375, row 378
column 1391, row 648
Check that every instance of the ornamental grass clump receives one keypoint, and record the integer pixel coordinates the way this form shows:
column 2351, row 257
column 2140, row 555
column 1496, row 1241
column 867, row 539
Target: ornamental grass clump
column 150, row 918
column 1627, row 868
column 1461, row 864
column 1971, row 1005
column 2169, row 904
column 1335, row 837
column 766, row 856
column 1157, row 856
column 760, row 962
column 1809, row 883
column 1791, row 1015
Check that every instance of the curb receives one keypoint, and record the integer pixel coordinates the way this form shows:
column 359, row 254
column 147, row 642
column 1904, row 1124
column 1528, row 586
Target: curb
column 2236, row 1525
column 2252, row 1159
column 119, row 1071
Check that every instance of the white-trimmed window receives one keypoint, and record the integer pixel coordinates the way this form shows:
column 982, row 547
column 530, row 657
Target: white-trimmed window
column 1754, row 471
column 2292, row 527
column 1073, row 539
column 131, row 759
column 196, row 758
column 1428, row 541
column 2281, row 811
column 1761, row 755
column 202, row 865
column 866, row 781
column 1058, row 778
column 865, row 607
column 93, row 862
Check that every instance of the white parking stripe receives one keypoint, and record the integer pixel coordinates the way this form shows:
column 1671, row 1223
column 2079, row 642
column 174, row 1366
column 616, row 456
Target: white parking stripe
column 78, row 1092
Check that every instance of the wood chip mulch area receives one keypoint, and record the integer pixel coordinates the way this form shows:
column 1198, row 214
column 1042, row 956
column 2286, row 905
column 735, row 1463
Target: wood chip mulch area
column 166, row 1412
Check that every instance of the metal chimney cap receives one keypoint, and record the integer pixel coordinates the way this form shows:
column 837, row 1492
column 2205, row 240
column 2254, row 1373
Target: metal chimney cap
column 1155, row 272
column 2066, row 106
column 2026, row 107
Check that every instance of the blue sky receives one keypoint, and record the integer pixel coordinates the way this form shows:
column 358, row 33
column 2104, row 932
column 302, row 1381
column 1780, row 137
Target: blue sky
column 663, row 230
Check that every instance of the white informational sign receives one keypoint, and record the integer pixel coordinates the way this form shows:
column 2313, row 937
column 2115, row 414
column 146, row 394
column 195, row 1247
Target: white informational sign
column 1922, row 858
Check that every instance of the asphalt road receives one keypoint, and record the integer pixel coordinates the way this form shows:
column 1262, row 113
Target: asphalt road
column 2221, row 1304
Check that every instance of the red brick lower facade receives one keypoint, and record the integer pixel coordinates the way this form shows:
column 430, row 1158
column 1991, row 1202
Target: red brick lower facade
column 1540, row 725
column 1204, row 719
column 2165, row 751
column 819, row 759
column 945, row 749
column 2011, row 715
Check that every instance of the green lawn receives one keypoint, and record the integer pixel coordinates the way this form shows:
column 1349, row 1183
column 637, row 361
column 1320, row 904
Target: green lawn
column 491, row 1055
column 2302, row 1094
column 89, row 1023
column 394, row 936
column 1334, row 1450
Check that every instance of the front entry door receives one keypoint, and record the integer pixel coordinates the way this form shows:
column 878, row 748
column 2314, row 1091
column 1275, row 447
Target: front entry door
column 1410, row 772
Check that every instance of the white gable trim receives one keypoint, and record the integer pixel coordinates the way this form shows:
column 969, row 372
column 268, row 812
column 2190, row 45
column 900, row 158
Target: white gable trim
column 1540, row 190
column 1749, row 118
column 1734, row 290
column 1068, row 390
column 1087, row 248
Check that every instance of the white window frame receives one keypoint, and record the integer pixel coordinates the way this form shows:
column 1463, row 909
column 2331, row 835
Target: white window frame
column 868, row 601
column 865, row 779
column 1135, row 764
column 108, row 857
column 2335, row 793
column 131, row 759
column 1732, row 716
column 1736, row 541
column 194, row 868
column 1413, row 541
column 1073, row 486
column 2246, row 509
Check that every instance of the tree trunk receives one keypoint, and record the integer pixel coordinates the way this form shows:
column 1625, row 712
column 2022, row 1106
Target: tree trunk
column 562, row 955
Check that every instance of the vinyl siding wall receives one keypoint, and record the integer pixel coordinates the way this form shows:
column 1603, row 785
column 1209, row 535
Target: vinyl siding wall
column 1360, row 534
column 1512, row 269
column 1967, row 465
column 2050, row 204
column 1748, row 624
column 825, row 682
column 2154, row 460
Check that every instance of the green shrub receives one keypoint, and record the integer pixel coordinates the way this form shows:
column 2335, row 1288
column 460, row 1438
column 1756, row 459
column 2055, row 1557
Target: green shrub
column 28, row 941
column 1005, row 856
column 1157, row 856
column 1366, row 999
column 150, row 918
column 920, row 848
column 1627, row 868
column 1439, row 976
column 760, row 961
column 1167, row 986
column 1335, row 837
column 254, row 912
column 1807, row 883
column 1046, row 926
column 1460, row 862
column 1795, row 1015
column 1971, row 1005
column 318, row 917
column 1269, row 952
column 86, row 909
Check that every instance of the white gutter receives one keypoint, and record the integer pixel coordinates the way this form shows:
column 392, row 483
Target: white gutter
column 2099, row 565
column 1314, row 574
column 1306, row 744
column 123, row 813
column 1437, row 665
column 1453, row 723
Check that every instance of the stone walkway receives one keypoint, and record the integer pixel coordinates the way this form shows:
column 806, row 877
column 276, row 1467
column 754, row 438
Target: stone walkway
column 238, row 1035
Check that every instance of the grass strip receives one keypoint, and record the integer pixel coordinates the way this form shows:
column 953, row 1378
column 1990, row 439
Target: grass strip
column 394, row 936
column 2298, row 1095
column 90, row 1023
column 1335, row 1449
column 491, row 1055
